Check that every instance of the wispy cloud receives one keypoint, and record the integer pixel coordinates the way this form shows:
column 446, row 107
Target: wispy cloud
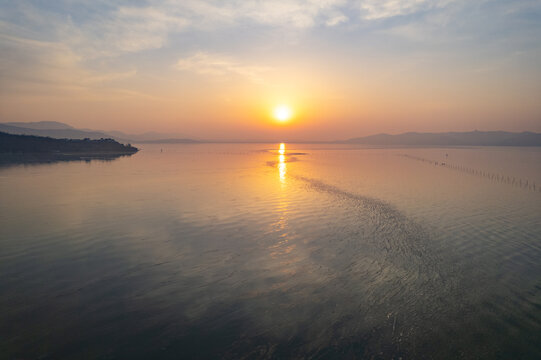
column 132, row 29
column 50, row 68
column 111, row 30
column 213, row 64
column 336, row 19
column 379, row 9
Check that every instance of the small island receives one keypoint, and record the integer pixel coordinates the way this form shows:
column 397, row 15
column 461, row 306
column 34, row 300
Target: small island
column 28, row 148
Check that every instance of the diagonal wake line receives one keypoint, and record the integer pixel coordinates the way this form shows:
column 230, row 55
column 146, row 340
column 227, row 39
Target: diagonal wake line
column 399, row 238
column 402, row 246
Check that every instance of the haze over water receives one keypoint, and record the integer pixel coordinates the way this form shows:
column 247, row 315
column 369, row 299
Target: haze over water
column 268, row 251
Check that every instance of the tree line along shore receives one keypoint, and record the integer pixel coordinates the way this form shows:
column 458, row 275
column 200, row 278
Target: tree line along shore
column 39, row 147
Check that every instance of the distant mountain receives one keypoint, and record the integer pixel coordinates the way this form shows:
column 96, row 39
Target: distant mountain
column 60, row 130
column 147, row 136
column 59, row 133
column 170, row 141
column 472, row 138
column 40, row 125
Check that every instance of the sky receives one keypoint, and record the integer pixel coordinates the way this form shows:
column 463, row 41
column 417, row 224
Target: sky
column 218, row 69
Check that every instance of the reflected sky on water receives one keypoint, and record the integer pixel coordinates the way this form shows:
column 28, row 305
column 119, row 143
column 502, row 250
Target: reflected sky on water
column 273, row 251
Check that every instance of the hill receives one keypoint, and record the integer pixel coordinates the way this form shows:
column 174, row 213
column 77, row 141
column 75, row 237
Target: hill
column 60, row 130
column 472, row 138
column 150, row 136
column 169, row 141
column 27, row 144
column 41, row 125
column 57, row 132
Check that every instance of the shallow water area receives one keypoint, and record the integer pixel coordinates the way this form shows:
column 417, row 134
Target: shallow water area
column 274, row 251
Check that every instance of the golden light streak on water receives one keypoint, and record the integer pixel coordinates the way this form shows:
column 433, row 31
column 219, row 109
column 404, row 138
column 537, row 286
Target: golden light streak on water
column 282, row 167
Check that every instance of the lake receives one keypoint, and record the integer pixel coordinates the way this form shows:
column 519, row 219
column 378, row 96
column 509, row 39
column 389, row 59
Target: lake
column 237, row 251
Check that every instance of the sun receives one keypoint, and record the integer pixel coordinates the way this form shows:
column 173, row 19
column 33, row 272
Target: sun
column 282, row 113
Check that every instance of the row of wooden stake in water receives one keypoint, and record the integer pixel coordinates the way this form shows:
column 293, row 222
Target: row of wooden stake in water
column 510, row 180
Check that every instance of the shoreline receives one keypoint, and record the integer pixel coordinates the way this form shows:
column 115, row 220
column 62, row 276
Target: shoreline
column 37, row 157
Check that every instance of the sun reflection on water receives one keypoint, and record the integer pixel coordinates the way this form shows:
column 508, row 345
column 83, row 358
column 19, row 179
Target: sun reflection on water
column 282, row 149
column 282, row 167
column 283, row 251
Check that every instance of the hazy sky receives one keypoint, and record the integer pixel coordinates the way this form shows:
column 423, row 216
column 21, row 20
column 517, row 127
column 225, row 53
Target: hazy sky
column 217, row 69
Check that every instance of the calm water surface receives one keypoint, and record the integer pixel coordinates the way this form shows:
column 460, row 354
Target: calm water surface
column 256, row 251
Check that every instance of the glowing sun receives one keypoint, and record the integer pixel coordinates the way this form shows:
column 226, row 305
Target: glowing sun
column 282, row 113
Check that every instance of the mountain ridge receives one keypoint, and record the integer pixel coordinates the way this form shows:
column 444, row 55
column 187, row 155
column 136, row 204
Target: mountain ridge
column 453, row 138
column 468, row 138
column 58, row 130
column 40, row 125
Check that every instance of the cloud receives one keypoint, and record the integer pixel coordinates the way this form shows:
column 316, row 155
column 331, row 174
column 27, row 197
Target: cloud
column 336, row 19
column 133, row 29
column 111, row 30
column 296, row 14
column 380, row 9
column 88, row 43
column 213, row 64
column 124, row 30
column 50, row 68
